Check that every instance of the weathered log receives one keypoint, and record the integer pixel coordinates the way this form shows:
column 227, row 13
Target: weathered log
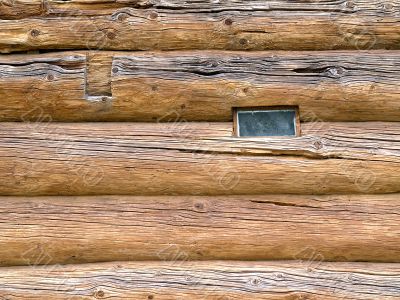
column 191, row 159
column 52, row 87
column 21, row 9
column 198, row 86
column 206, row 24
column 333, row 86
column 60, row 230
column 204, row 280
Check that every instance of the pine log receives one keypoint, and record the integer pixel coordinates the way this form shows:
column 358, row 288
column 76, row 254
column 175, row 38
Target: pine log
column 204, row 280
column 42, row 158
column 198, row 86
column 330, row 86
column 64, row 230
column 193, row 24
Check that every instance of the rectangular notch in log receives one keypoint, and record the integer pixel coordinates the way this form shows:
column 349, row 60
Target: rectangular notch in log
column 266, row 121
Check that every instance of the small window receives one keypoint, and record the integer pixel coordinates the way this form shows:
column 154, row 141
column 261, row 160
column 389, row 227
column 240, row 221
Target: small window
column 270, row 121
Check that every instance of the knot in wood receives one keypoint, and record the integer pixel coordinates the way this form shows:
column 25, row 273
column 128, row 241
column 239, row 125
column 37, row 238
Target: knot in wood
column 99, row 294
column 318, row 145
column 199, row 206
column 122, row 17
column 213, row 64
column 153, row 15
column 255, row 281
column 228, row 21
column 350, row 4
column 111, row 35
column 335, row 71
column 243, row 42
column 35, row 32
column 388, row 6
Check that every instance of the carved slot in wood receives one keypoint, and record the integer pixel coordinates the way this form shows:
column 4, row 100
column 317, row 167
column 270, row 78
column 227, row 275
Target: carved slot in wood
column 266, row 121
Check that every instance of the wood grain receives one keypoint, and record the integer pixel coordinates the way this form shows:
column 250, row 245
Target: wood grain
column 205, row 24
column 195, row 159
column 21, row 9
column 63, row 230
column 198, row 86
column 208, row 280
column 331, row 86
column 51, row 87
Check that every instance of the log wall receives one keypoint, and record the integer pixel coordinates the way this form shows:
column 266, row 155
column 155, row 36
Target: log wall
column 195, row 159
column 63, row 230
column 117, row 152
column 198, row 86
column 209, row 280
column 205, row 24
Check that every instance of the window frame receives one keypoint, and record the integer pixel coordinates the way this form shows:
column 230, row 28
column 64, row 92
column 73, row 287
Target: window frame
column 236, row 110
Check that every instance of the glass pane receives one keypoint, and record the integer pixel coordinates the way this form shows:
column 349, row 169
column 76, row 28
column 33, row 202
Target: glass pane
column 266, row 122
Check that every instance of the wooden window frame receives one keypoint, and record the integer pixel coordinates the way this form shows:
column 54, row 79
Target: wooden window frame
column 235, row 111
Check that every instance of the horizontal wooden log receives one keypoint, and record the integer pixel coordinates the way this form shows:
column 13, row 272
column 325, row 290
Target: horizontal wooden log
column 191, row 159
column 52, row 87
column 198, row 86
column 17, row 9
column 206, row 24
column 60, row 230
column 21, row 9
column 333, row 86
column 208, row 280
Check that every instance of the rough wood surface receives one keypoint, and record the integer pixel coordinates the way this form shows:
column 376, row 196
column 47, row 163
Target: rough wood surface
column 208, row 280
column 205, row 24
column 98, row 73
column 335, row 86
column 198, row 86
column 60, row 230
column 196, row 158
column 52, row 87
